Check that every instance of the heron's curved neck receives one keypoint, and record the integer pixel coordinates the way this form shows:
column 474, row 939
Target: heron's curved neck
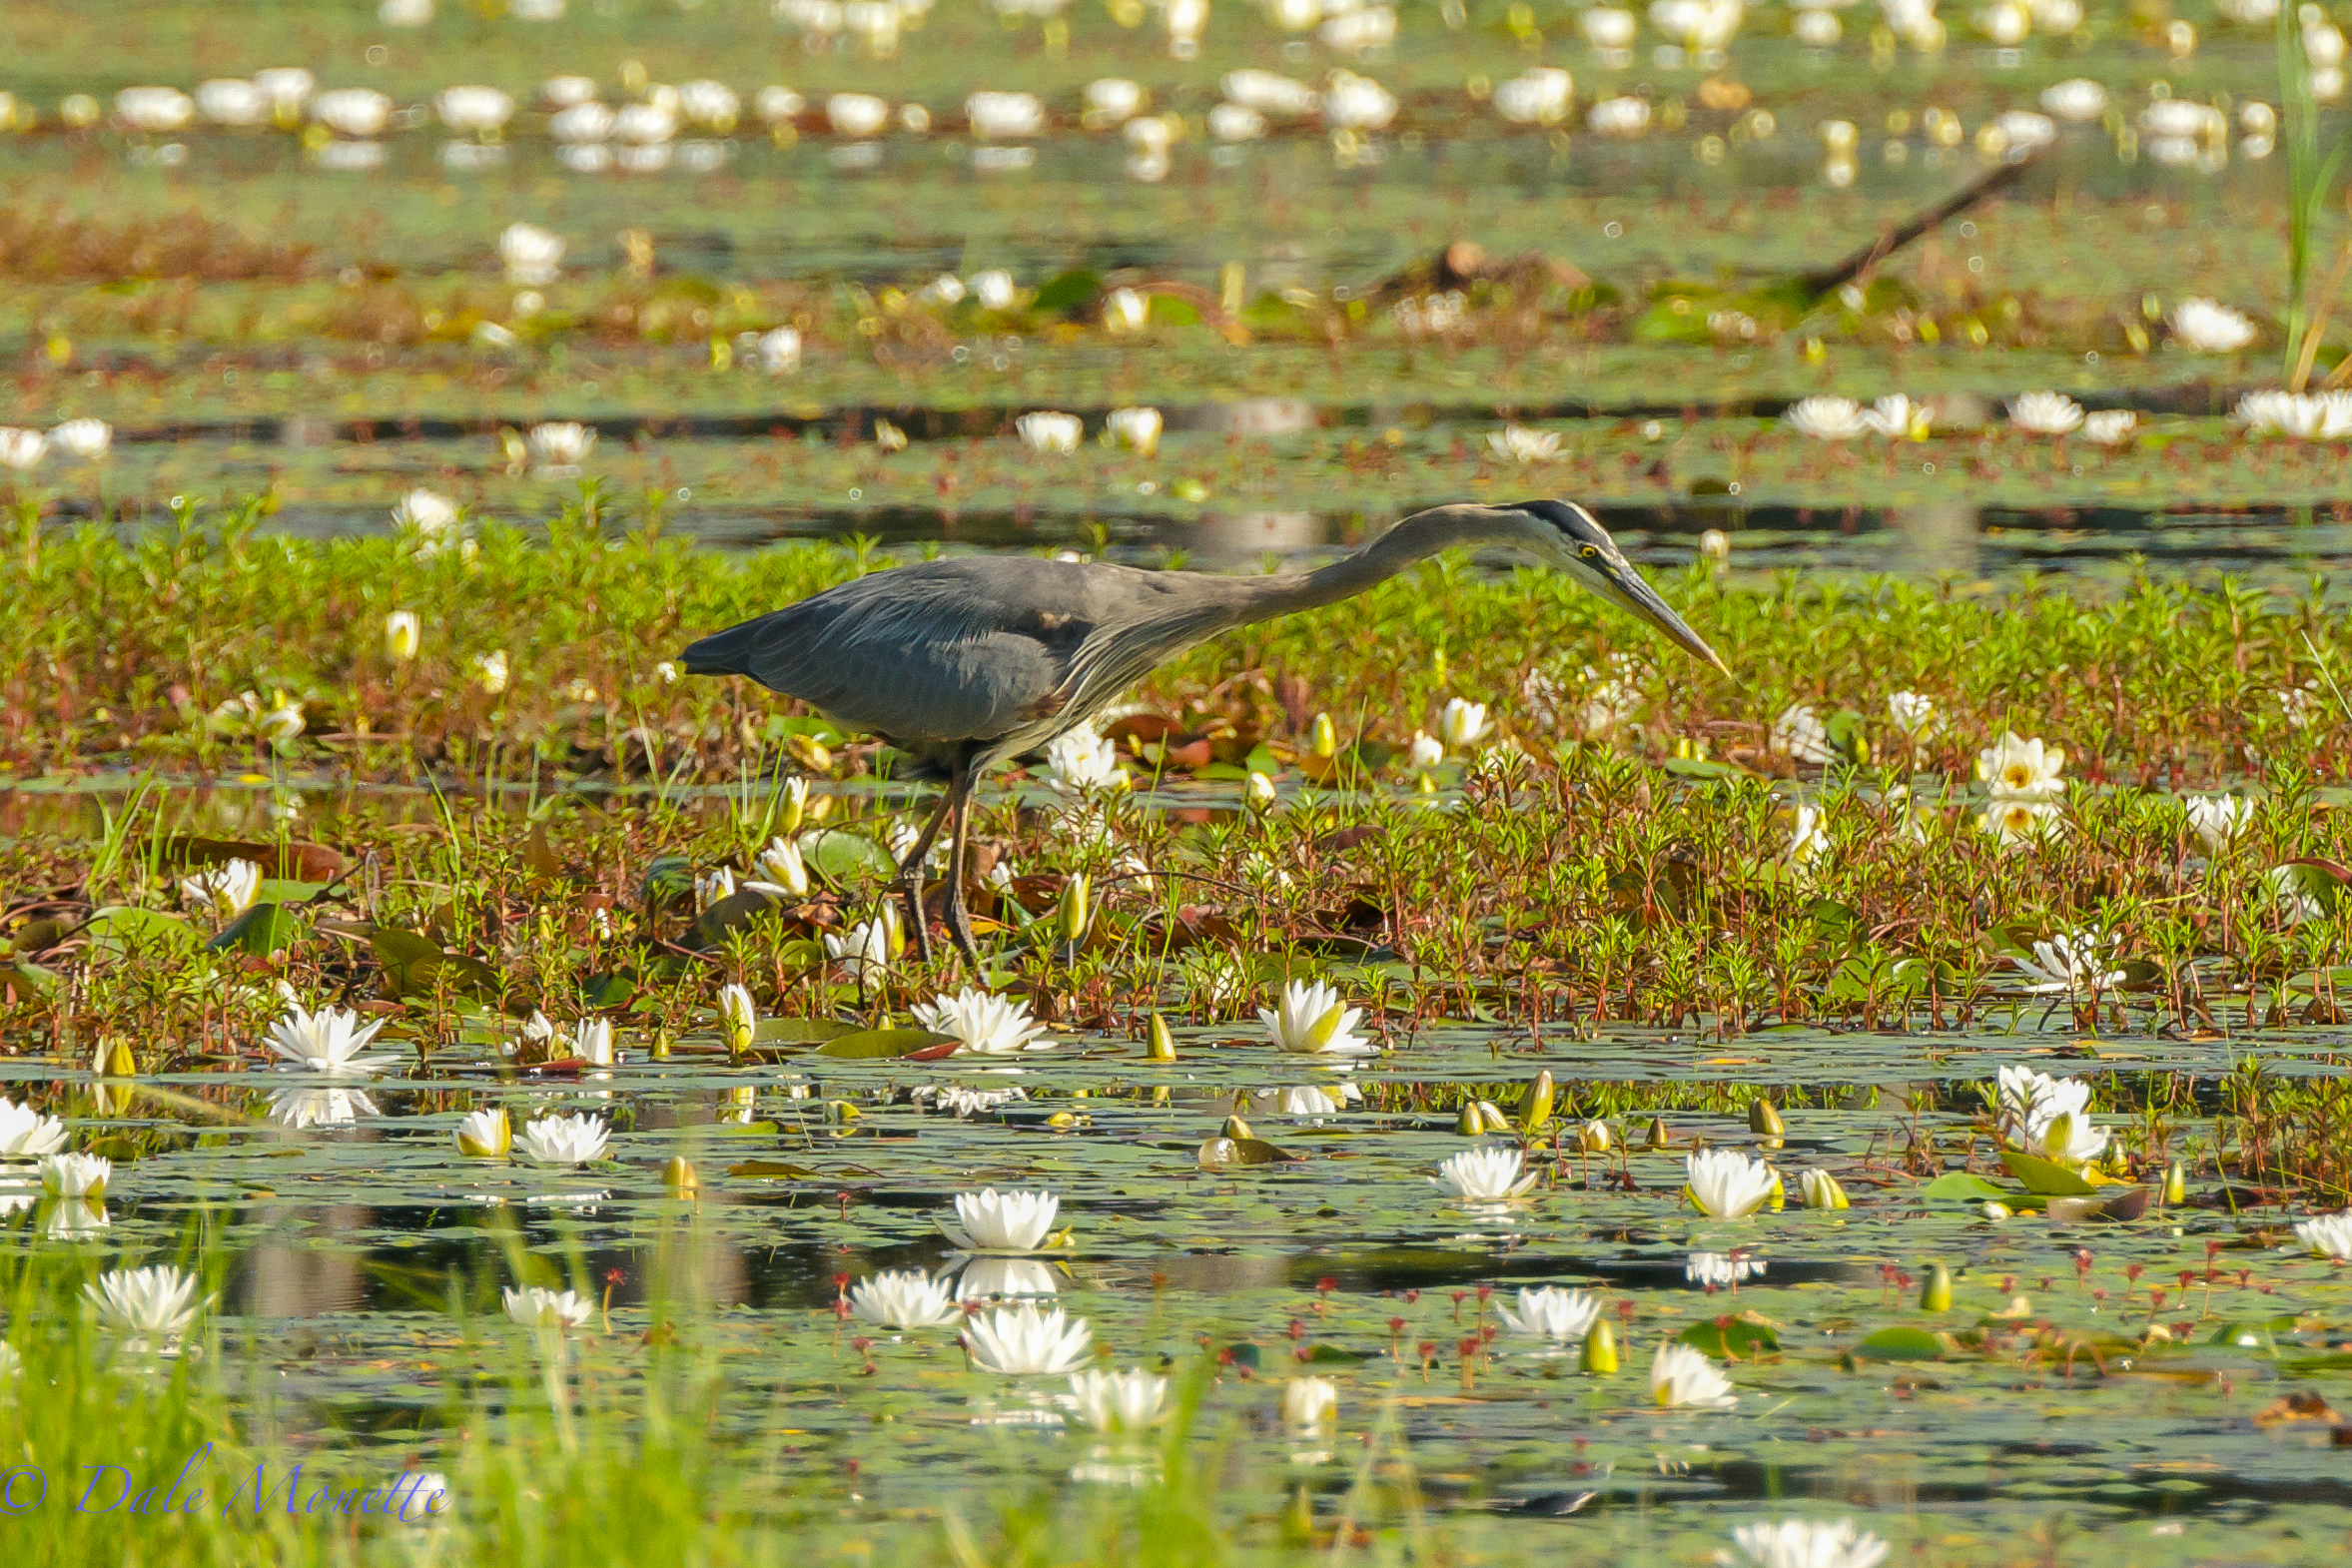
column 1412, row 540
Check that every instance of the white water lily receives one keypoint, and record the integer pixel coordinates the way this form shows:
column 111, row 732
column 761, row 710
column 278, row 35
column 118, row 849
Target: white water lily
column 1911, row 713
column 228, row 891
column 2077, row 98
column 1078, row 761
column 1548, row 1313
column 783, row 868
column 2023, row 769
column 1727, row 1184
column 154, row 109
column 864, row 946
column 1312, row 1099
column 536, row 1306
column 1541, row 96
column 1827, row 418
column 1128, row 1401
column 490, row 672
column 88, row 440
column 473, row 111
column 779, row 351
column 2307, row 416
column 2045, row 413
column 1687, row 1378
column 592, row 1042
column 994, row 114
column 427, row 513
column 1309, row 1403
column 1311, row 1020
column 1899, row 418
column 1111, row 100
column 904, row 1299
column 1425, row 753
column 1483, row 1175
column 1820, row 1190
column 984, row 1025
column 1358, row 103
column 558, row 446
column 1049, row 432
column 145, row 1304
column 1024, row 1341
column 739, row 1018
column 22, row 449
column 1135, row 429
column 2020, row 821
column 1721, row 1270
column 1806, row 1543
column 532, row 256
column 1001, row 1278
column 1623, row 116
column 563, row 1139
column 1801, row 736
column 353, row 111
column 992, row 1221
column 2072, row 961
column 714, row 888
column 403, row 634
column 231, row 100
column 2327, row 1235
column 2048, row 1117
column 485, row 1135
column 1808, row 838
column 328, row 1041
column 1517, row 444
column 2209, row 328
column 2216, row 818
column 26, row 1133
column 75, row 1175
column 995, row 289
column 1461, row 724
column 855, row 114
column 2109, row 427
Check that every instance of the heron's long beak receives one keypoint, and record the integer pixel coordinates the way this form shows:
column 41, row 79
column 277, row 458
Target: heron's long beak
column 1625, row 588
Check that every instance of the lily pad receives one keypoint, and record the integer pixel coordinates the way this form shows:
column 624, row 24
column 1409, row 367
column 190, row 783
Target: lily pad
column 845, row 859
column 1964, row 1186
column 877, row 1044
column 121, row 929
column 261, row 930
column 1901, row 1344
column 2041, row 1176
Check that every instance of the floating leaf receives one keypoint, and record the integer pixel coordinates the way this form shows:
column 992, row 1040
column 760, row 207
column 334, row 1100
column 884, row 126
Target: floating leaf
column 875, row 1044
column 1218, row 1153
column 2041, row 1176
column 1965, row 1187
column 416, row 964
column 736, row 912
column 1901, row 1344
column 772, row 1168
column 1736, row 1338
column 261, row 930
column 800, row 1031
column 119, row 930
column 845, row 859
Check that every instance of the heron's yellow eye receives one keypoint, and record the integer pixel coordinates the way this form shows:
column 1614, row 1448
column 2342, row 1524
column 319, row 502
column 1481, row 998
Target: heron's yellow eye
column 1590, row 550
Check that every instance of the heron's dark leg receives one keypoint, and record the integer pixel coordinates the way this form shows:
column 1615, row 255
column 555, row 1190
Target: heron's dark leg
column 910, row 874
column 959, row 918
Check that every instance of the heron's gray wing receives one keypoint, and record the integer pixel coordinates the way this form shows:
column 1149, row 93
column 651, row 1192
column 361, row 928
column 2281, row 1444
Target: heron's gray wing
column 944, row 651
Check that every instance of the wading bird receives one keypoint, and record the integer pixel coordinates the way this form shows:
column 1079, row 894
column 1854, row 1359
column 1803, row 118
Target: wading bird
column 965, row 664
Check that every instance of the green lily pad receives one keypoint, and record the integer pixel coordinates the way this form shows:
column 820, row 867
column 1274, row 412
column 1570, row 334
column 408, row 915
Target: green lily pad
column 876, row 1044
column 1964, row 1186
column 845, row 859
column 1901, row 1344
column 2041, row 1176
column 119, row 930
column 261, row 930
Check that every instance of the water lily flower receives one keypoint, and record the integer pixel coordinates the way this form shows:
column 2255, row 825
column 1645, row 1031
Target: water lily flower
column 984, row 1025
column 231, row 101
column 783, row 868
column 563, row 1139
column 1826, row 418
column 904, row 1299
column 1624, row 116
column 1547, row 1312
column 475, row 111
column 1727, row 1184
column 959, row 1102
column 154, row 109
column 995, row 289
column 421, row 1497
column 1311, row 1020
column 1312, row 1099
column 2045, row 413
column 592, row 1042
column 1801, row 736
column 855, row 114
column 1483, row 1175
column 75, row 1175
column 1820, row 1190
column 2109, row 427
column 1258, row 791
column 2048, row 1117
column 88, row 440
column 485, row 1135
column 1049, row 432
column 711, row 105
column 1461, row 724
column 353, row 111
column 1001, row 1278
column 739, row 1018
column 147, row 1304
column 2327, row 1235
column 714, row 887
column 2217, row 819
column 1722, row 1270
column 2017, row 821
column 1911, row 713
column 1358, row 103
column 865, row 947
column 1807, row 836
column 1425, row 753
column 2209, row 328
column 581, row 127
column 229, row 890
column 1309, row 1403
column 536, row 1306
column 2077, row 98
column 558, row 446
column 1804, row 1543
column 2023, row 769
column 1540, row 96
column 2072, row 961
column 1135, row 429
column 22, row 449
column 425, row 512
column 1024, row 1342
column 779, row 350
column 1899, row 418
column 1517, row 444
column 1112, row 100
column 2308, row 416
column 402, row 634
column 992, row 1221
column 26, row 1133
column 1683, row 1377
column 532, row 256
column 328, row 1041
column 1080, row 760
column 994, row 115
column 1236, row 123
column 489, row 671
column 1127, row 1401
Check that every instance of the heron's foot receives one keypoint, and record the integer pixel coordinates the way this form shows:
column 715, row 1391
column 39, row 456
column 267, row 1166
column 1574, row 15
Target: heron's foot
column 919, row 923
column 960, row 927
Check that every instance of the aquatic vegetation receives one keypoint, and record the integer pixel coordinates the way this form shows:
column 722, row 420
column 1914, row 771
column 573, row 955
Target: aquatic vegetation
column 992, row 1221
column 1027, row 1340
column 1483, row 1175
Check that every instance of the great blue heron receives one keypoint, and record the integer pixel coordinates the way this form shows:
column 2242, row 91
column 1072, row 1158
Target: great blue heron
column 965, row 664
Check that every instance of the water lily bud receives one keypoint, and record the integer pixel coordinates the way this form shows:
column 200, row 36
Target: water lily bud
column 1074, row 911
column 1935, row 1291
column 1162, row 1046
column 1594, row 1138
column 2175, row 1185
column 796, row 805
column 1538, row 1110
column 485, row 1135
column 1600, row 1349
column 678, row 1176
column 1777, row 1198
column 1765, row 1122
column 1715, row 546
column 1821, row 1191
column 841, row 1112
column 1323, row 738
column 402, row 632
column 1657, row 1136
column 738, row 1019
column 1236, row 1128
column 119, row 1061
column 1996, row 1210
column 810, row 753
column 1259, row 792
column 1470, row 1124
